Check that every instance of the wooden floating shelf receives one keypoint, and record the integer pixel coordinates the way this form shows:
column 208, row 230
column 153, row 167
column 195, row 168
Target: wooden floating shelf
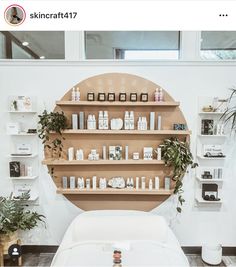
column 128, row 132
column 102, row 162
column 117, row 103
column 110, row 191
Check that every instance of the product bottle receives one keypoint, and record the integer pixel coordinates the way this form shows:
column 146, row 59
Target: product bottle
column 157, row 183
column 105, row 121
column 159, row 122
column 158, row 153
column 77, row 94
column 128, row 183
column 131, row 183
column 127, row 120
column 131, row 120
column 89, row 122
column 100, row 120
column 139, row 123
column 143, row 183
column 150, row 184
column 73, row 94
column 156, row 95
column 137, row 183
column 93, row 122
column 160, row 95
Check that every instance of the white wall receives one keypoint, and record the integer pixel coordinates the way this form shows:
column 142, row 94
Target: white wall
column 184, row 81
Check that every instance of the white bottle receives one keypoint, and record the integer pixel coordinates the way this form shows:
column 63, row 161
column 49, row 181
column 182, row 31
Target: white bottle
column 160, row 95
column 94, row 182
column 126, row 152
column 100, row 120
column 73, row 94
column 88, row 183
column 30, row 171
column 131, row 183
column 143, row 183
column 150, row 184
column 131, row 120
column 105, row 121
column 157, row 183
column 139, row 123
column 137, row 183
column 104, row 152
column 70, row 153
column 94, row 122
column 158, row 153
column 89, row 122
column 128, row 183
column 77, row 94
column 159, row 122
column 156, row 95
column 127, row 120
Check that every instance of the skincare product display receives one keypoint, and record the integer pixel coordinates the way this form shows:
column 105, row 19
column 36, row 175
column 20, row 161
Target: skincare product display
column 157, row 183
column 74, row 121
column 80, row 183
column 23, row 149
column 116, row 182
column 79, row 154
column 142, row 123
column 215, row 173
column 81, row 120
column 103, row 121
column 167, row 183
column 152, row 120
column 143, row 183
column 102, row 183
column 150, row 185
column 72, row 182
column 64, row 182
column 158, row 151
column 210, row 192
column 111, row 97
column 158, row 97
column 91, row 122
column 122, row 97
column 116, row 124
column 91, row 96
column 135, row 155
column 133, row 97
column 101, row 97
column 115, row 152
column 88, row 183
column 129, row 120
column 144, row 97
column 70, row 153
column 147, row 153
column 130, row 183
column 179, row 126
column 75, row 94
column 93, row 155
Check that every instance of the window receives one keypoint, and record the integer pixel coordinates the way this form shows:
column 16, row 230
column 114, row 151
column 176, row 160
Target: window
column 218, row 45
column 132, row 45
column 33, row 45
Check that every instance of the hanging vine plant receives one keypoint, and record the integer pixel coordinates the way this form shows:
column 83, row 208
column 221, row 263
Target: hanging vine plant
column 177, row 154
column 53, row 122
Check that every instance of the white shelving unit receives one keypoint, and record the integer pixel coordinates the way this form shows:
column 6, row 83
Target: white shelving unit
column 27, row 120
column 209, row 164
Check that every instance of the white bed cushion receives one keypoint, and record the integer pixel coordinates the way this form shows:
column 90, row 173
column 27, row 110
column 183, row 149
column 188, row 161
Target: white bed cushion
column 119, row 225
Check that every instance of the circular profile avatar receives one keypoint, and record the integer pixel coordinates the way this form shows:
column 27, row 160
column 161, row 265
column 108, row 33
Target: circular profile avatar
column 15, row 15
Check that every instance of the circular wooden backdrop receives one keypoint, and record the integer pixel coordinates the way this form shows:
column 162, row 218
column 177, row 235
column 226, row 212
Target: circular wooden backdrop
column 116, row 82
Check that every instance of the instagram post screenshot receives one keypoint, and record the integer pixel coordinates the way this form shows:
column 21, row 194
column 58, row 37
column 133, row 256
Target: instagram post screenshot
column 117, row 129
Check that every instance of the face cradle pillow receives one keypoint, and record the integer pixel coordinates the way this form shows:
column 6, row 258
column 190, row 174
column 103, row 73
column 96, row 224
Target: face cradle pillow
column 119, row 226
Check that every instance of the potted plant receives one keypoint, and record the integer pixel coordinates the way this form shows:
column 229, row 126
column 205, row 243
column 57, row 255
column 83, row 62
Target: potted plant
column 229, row 115
column 14, row 217
column 53, row 122
column 177, row 154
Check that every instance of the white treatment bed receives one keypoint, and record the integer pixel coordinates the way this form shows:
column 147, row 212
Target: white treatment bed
column 143, row 238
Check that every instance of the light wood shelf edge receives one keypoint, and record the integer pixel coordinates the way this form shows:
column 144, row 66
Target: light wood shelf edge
column 117, row 103
column 147, row 132
column 110, row 191
column 103, row 162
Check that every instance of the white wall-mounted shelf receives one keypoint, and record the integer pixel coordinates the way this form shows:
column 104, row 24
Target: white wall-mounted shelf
column 211, row 158
column 22, row 156
column 212, row 136
column 23, row 134
column 200, row 200
column 209, row 181
column 23, row 178
column 211, row 113
column 20, row 112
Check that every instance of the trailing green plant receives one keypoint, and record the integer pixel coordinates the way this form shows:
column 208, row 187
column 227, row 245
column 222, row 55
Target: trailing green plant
column 177, row 154
column 14, row 216
column 52, row 122
column 229, row 115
